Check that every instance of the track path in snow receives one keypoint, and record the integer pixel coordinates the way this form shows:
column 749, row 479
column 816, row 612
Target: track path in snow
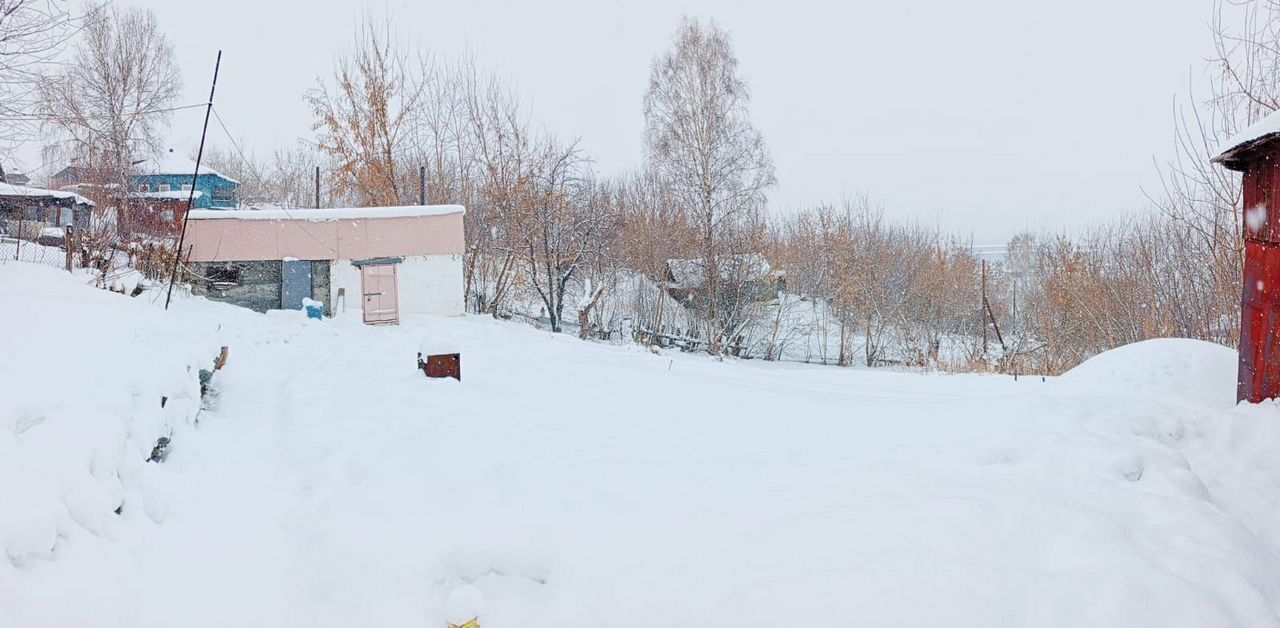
column 579, row 484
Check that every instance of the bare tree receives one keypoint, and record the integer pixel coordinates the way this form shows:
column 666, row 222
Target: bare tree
column 561, row 223
column 699, row 136
column 113, row 96
column 32, row 34
column 364, row 116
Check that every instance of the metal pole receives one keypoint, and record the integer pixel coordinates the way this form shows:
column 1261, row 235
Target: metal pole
column 422, row 185
column 317, row 187
column 177, row 258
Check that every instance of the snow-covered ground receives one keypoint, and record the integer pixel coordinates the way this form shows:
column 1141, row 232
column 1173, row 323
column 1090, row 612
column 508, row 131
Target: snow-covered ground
column 564, row 483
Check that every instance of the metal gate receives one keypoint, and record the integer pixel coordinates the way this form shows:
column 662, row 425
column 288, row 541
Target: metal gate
column 295, row 283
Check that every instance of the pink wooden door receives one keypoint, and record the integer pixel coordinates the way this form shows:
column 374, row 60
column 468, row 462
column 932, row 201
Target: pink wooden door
column 381, row 304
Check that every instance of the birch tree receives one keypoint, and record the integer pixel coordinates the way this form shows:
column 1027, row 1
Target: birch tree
column 699, row 136
column 113, row 96
column 32, row 34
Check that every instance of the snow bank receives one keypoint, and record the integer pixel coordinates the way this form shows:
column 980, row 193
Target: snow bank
column 1162, row 369
column 579, row 484
column 89, row 381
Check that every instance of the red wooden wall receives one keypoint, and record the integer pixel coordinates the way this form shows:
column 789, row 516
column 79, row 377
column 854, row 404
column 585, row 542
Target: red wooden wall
column 1259, row 375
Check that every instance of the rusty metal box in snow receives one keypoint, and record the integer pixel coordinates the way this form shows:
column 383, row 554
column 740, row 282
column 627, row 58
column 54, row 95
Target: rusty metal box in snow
column 441, row 365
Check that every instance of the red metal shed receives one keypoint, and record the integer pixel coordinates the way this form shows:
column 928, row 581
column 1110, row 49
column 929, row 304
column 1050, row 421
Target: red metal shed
column 1256, row 153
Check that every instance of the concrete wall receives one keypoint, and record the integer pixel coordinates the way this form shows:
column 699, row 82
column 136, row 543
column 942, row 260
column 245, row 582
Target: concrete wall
column 256, row 285
column 426, row 284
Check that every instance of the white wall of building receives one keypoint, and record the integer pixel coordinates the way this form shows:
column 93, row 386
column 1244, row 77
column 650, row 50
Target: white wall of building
column 426, row 284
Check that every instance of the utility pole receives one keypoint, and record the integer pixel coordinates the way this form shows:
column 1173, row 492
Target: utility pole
column 422, row 185
column 186, row 217
column 317, row 187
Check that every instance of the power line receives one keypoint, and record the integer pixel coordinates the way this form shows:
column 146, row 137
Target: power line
column 236, row 145
column 254, row 170
column 31, row 117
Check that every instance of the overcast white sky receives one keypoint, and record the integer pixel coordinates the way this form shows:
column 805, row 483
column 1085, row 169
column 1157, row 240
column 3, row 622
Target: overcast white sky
column 985, row 116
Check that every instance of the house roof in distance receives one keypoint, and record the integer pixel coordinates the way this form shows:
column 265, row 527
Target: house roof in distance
column 171, row 163
column 1236, row 149
column 8, row 189
column 325, row 215
column 692, row 273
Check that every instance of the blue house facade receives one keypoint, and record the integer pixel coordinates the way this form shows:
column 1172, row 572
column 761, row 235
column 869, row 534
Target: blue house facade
column 173, row 175
column 165, row 179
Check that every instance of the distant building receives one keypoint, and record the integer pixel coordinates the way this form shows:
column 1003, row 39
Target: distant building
column 13, row 178
column 72, row 175
column 159, row 189
column 33, row 209
column 744, row 275
column 384, row 262
column 170, row 175
column 165, row 177
column 158, row 213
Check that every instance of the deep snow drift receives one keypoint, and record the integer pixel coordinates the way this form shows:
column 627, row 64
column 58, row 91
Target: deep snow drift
column 564, row 483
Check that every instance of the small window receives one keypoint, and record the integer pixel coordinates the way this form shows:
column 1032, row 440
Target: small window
column 223, row 276
column 186, row 187
column 164, row 187
column 144, row 188
column 224, row 193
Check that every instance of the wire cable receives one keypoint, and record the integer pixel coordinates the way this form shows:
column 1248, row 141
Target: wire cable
column 254, row 170
column 31, row 117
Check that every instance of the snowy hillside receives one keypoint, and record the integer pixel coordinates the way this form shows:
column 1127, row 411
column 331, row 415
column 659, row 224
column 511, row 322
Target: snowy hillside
column 564, row 483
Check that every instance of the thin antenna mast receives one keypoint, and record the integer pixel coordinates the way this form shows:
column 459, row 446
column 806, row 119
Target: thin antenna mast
column 182, row 238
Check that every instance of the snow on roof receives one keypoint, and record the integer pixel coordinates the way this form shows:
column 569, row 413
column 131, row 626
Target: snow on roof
column 690, row 273
column 7, row 189
column 170, row 163
column 169, row 195
column 324, row 215
column 1266, row 128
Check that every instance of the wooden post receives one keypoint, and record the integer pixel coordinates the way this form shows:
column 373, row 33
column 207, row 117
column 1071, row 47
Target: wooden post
column 68, row 240
column 982, row 314
column 988, row 315
column 17, row 245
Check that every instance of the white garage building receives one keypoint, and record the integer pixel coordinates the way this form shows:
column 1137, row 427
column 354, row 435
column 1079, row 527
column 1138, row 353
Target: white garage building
column 383, row 262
